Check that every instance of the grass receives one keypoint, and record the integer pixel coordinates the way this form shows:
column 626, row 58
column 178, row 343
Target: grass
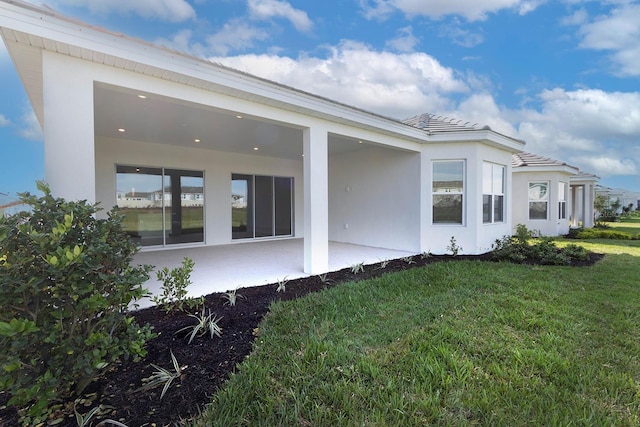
column 150, row 219
column 457, row 343
column 629, row 224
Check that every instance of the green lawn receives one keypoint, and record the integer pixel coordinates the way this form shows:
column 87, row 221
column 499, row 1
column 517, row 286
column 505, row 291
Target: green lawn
column 458, row 343
column 630, row 224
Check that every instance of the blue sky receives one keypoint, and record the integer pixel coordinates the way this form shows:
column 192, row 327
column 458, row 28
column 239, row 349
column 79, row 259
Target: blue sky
column 563, row 75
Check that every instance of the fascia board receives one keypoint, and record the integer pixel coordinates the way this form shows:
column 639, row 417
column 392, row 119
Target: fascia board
column 584, row 179
column 484, row 136
column 33, row 21
column 565, row 169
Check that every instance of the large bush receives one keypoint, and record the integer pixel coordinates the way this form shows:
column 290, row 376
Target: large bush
column 525, row 247
column 66, row 285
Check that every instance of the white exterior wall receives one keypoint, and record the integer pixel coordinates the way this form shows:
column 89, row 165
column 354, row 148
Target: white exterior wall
column 374, row 198
column 552, row 226
column 473, row 236
column 68, row 127
column 217, row 166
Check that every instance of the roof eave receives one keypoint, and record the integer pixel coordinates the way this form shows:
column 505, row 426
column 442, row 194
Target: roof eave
column 566, row 169
column 484, row 136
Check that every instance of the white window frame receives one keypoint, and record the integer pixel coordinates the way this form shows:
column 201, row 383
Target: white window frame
column 448, row 191
column 562, row 200
column 538, row 198
column 494, row 190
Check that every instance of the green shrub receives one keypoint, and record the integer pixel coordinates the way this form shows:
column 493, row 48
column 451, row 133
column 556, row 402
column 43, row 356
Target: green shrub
column 573, row 232
column 547, row 253
column 524, row 247
column 174, row 287
column 592, row 233
column 66, row 284
column 576, row 252
column 508, row 249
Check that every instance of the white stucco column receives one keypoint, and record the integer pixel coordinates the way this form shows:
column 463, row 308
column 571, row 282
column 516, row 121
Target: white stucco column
column 316, row 200
column 68, row 127
column 576, row 208
column 587, row 202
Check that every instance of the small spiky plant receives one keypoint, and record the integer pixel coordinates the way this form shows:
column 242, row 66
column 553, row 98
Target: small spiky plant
column 232, row 297
column 357, row 268
column 204, row 323
column 282, row 285
column 163, row 376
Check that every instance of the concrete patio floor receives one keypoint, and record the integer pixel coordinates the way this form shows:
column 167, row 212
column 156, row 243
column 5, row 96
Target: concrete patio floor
column 226, row 267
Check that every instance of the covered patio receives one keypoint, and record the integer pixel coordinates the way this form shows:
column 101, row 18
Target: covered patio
column 226, row 267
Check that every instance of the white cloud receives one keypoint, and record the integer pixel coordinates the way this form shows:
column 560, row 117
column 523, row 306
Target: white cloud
column 529, row 6
column 459, row 35
column 379, row 10
column 607, row 166
column 579, row 17
column 267, row 9
column 405, row 42
column 30, row 127
column 4, row 121
column 235, row 35
column 165, row 10
column 619, row 33
column 590, row 128
column 472, row 10
column 481, row 108
column 396, row 85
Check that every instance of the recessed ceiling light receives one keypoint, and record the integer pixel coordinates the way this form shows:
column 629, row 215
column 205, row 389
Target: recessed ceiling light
column 238, row 116
column 122, row 130
column 142, row 96
column 255, row 148
column 196, row 140
column 359, row 142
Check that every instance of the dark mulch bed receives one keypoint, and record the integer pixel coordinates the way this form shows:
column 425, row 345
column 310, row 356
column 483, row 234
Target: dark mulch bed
column 208, row 361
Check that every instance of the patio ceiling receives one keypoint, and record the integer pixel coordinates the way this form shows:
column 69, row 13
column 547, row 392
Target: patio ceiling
column 158, row 119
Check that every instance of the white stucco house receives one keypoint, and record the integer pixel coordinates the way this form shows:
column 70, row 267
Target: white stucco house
column 550, row 196
column 119, row 113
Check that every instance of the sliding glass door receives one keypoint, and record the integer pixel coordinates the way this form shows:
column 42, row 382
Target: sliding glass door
column 261, row 206
column 161, row 206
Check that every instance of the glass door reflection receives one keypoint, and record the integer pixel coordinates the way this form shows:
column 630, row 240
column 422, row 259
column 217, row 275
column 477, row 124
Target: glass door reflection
column 161, row 206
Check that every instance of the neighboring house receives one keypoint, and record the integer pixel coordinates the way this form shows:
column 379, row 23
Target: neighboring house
column 625, row 198
column 541, row 198
column 271, row 161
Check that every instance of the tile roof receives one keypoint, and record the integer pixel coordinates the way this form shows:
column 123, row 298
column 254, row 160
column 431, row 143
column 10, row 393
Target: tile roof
column 529, row 159
column 433, row 123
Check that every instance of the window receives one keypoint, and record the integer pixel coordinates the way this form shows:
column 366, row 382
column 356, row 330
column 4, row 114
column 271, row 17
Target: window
column 146, row 198
column 448, row 192
column 538, row 200
column 562, row 200
column 492, row 193
column 261, row 206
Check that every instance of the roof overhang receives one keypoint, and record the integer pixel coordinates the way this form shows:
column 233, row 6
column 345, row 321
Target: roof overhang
column 483, row 136
column 28, row 30
column 564, row 169
column 584, row 179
